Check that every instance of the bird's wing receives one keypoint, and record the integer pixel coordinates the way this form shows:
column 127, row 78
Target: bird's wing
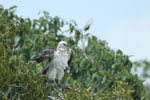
column 71, row 57
column 45, row 70
column 44, row 55
column 69, row 60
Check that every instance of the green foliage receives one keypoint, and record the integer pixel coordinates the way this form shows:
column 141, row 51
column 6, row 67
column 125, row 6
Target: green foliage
column 97, row 72
column 144, row 65
column 120, row 91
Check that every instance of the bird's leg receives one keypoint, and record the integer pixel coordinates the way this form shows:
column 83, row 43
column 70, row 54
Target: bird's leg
column 55, row 89
column 63, row 86
column 59, row 84
column 55, row 84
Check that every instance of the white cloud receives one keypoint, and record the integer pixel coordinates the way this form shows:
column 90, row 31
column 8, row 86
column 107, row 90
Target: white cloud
column 132, row 36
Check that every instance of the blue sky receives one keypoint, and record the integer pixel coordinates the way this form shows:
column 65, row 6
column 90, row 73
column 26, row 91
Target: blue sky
column 124, row 24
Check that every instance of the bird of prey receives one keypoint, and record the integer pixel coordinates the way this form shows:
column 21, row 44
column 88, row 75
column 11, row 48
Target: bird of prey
column 58, row 61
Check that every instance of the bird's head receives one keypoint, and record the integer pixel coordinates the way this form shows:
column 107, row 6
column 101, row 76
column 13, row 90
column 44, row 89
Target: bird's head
column 62, row 45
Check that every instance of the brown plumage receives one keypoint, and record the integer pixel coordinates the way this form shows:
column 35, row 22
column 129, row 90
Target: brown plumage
column 44, row 55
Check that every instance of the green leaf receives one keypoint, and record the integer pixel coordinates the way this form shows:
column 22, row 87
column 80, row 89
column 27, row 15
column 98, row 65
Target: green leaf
column 12, row 7
column 77, row 35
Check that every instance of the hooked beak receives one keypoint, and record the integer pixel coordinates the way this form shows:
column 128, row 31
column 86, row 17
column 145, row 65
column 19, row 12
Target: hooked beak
column 67, row 45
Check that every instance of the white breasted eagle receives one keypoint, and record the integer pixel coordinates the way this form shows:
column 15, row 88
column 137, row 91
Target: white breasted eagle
column 58, row 61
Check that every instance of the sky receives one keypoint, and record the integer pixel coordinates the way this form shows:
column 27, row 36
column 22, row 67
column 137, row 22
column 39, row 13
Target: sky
column 124, row 24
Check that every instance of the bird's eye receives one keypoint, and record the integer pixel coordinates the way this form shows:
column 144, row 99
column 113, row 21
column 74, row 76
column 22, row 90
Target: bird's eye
column 65, row 44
